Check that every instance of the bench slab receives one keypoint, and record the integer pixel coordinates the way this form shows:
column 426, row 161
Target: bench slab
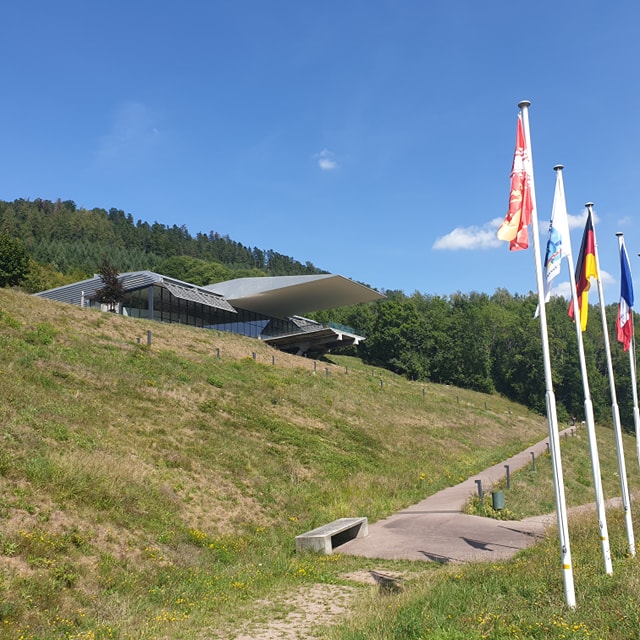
column 329, row 536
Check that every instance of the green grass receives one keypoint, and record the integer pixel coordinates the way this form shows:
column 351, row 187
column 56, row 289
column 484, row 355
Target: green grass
column 155, row 492
column 519, row 599
column 532, row 489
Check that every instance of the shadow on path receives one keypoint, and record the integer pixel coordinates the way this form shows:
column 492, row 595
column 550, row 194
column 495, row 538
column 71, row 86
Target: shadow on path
column 436, row 530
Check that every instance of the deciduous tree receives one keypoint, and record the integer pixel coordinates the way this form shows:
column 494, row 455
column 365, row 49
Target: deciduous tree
column 14, row 261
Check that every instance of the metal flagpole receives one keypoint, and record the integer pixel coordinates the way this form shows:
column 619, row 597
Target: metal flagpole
column 615, row 409
column 634, row 386
column 590, row 421
column 552, row 417
column 634, row 389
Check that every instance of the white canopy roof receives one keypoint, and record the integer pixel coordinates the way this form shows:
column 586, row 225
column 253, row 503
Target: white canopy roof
column 285, row 296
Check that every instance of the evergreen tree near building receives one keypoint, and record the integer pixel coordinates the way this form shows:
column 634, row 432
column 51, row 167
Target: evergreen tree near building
column 112, row 293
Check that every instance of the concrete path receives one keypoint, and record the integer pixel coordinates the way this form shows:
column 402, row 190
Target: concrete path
column 436, row 530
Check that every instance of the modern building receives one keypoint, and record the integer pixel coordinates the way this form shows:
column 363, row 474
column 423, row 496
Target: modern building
column 269, row 309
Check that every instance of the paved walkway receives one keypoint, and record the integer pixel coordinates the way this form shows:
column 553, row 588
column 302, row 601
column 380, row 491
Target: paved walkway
column 435, row 529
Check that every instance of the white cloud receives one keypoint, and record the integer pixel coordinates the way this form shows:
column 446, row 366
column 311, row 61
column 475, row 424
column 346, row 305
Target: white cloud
column 606, row 278
column 473, row 237
column 132, row 139
column 484, row 237
column 562, row 289
column 575, row 221
column 627, row 221
column 326, row 160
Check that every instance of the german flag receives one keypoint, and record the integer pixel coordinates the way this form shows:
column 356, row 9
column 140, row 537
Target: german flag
column 586, row 268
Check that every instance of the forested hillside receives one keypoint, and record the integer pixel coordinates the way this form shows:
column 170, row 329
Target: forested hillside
column 488, row 343
column 69, row 244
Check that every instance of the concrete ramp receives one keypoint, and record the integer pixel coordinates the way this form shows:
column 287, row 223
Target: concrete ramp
column 436, row 530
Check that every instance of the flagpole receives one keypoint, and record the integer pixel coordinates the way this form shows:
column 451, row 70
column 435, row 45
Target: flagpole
column 615, row 409
column 634, row 390
column 634, row 387
column 590, row 422
column 552, row 417
column 622, row 469
column 632, row 363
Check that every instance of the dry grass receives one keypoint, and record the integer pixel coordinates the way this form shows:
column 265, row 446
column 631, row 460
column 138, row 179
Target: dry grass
column 158, row 487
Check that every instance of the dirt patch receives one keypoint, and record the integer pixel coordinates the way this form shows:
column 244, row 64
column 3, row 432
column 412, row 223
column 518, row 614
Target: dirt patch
column 298, row 616
column 306, row 614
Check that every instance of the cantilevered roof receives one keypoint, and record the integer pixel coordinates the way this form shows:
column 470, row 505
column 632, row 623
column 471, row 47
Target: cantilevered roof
column 318, row 341
column 284, row 296
column 87, row 289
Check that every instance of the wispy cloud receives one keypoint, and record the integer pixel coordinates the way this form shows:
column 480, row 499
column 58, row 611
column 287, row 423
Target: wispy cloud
column 576, row 221
column 626, row 221
column 564, row 288
column 474, row 237
column 606, row 278
column 326, row 160
column 132, row 139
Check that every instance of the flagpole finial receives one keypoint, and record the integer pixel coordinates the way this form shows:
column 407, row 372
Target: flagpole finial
column 524, row 103
column 619, row 234
column 558, row 167
column 588, row 205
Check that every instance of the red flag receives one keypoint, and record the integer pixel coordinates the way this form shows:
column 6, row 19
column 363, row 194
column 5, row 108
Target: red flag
column 585, row 270
column 514, row 228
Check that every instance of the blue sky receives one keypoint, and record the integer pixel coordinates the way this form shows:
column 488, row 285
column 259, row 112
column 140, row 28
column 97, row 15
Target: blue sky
column 371, row 138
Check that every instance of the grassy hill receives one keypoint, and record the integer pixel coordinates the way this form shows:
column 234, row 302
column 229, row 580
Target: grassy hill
column 153, row 477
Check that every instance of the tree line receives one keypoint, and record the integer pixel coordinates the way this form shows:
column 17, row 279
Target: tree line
column 492, row 343
column 68, row 243
column 488, row 343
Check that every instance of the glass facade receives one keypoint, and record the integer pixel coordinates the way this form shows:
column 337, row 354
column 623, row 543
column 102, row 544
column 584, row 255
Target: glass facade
column 158, row 303
column 136, row 303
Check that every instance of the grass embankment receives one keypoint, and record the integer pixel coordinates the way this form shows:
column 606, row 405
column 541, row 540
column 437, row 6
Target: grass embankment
column 154, row 492
column 523, row 598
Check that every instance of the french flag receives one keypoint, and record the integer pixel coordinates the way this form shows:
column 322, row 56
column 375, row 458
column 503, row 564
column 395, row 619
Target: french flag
column 624, row 323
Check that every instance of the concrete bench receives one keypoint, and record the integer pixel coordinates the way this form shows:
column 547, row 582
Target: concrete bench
column 326, row 538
